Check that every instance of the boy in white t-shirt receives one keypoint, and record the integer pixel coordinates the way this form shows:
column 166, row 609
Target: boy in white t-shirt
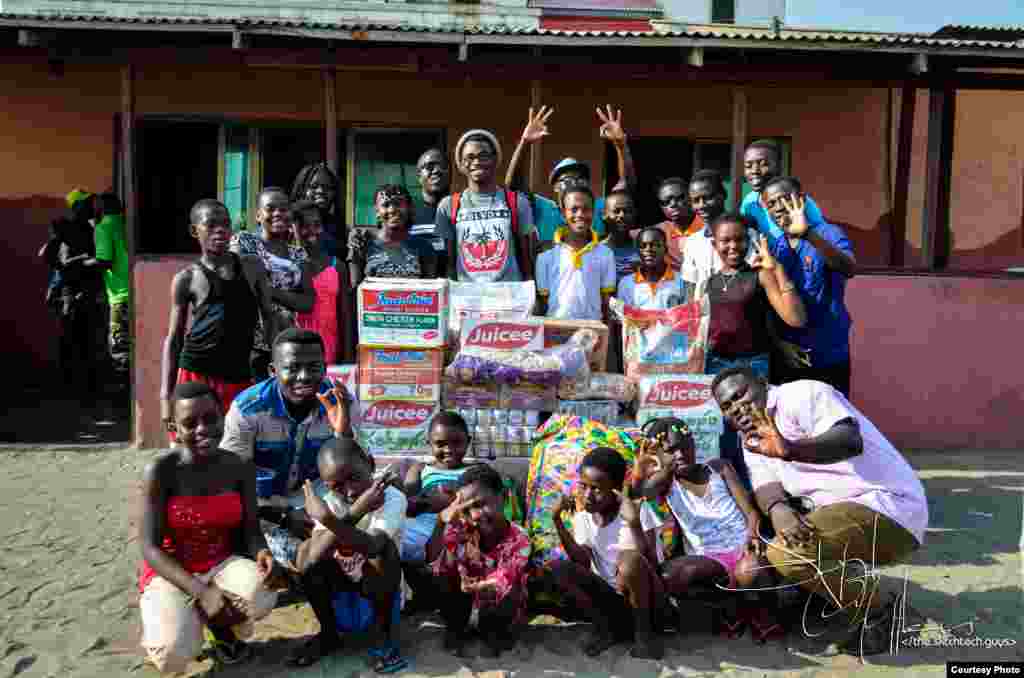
column 354, row 547
column 612, row 571
column 576, row 277
column 654, row 285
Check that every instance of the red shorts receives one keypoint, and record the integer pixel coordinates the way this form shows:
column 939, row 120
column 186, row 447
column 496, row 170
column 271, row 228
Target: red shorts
column 225, row 390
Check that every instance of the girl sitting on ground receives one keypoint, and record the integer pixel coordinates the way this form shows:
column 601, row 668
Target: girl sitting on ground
column 431, row 488
column 480, row 560
column 205, row 561
column 720, row 523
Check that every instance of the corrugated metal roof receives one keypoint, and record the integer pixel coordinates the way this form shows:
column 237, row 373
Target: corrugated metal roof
column 717, row 34
column 964, row 32
column 617, row 6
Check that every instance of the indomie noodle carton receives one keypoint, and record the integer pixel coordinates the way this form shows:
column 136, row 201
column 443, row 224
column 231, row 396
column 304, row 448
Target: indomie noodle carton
column 400, row 374
column 395, row 426
column 403, row 313
column 687, row 397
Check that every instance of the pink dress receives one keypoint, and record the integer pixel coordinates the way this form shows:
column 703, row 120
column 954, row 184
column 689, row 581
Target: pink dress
column 323, row 319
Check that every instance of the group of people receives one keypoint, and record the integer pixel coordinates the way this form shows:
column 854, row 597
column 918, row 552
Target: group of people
column 810, row 488
column 88, row 289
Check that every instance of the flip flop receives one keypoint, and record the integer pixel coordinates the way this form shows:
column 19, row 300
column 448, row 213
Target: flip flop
column 387, row 660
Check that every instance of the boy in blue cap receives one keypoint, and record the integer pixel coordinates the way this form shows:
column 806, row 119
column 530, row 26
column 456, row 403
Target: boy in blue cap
column 570, row 172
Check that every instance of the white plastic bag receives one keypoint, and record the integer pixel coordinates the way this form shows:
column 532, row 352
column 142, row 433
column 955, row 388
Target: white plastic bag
column 488, row 301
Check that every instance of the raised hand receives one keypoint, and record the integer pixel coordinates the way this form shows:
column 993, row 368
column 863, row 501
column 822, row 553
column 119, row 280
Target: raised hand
column 374, row 496
column 629, row 510
column 648, row 456
column 565, row 504
column 763, row 258
column 537, row 125
column 796, row 206
column 337, row 411
column 611, row 127
column 455, row 509
column 316, row 508
column 766, row 439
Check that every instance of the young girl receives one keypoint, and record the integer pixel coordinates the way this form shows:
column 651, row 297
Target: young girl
column 390, row 253
column 480, row 561
column 200, row 537
column 744, row 298
column 431, row 488
column 326, row 273
column 716, row 515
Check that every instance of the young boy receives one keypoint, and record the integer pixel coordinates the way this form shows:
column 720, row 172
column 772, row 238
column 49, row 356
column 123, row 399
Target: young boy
column 576, row 278
column 487, row 227
column 224, row 294
column 612, row 571
column 654, row 286
column 620, row 220
column 679, row 222
column 354, row 547
column 707, row 198
column 762, row 162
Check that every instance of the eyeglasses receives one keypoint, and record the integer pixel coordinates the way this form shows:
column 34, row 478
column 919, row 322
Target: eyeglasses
column 665, row 202
column 483, row 157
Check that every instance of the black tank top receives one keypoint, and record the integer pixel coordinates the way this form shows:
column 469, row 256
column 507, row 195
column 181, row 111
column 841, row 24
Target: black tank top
column 219, row 341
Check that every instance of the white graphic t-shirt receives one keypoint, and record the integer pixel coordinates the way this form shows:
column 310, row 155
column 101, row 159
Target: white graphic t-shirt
column 483, row 238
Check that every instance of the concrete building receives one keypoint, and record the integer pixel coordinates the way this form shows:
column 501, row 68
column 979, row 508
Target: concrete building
column 912, row 142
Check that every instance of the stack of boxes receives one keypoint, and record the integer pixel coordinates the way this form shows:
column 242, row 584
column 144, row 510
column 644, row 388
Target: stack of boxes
column 402, row 335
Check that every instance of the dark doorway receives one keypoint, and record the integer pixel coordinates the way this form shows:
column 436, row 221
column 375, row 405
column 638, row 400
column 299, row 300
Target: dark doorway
column 177, row 165
column 656, row 158
column 286, row 150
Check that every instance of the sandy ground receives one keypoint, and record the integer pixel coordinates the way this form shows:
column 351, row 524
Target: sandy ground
column 68, row 600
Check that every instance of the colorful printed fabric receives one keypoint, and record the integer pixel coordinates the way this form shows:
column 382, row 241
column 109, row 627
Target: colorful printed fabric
column 563, row 442
column 504, row 566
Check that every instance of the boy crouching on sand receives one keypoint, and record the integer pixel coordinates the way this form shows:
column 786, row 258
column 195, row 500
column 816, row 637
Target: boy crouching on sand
column 612, row 571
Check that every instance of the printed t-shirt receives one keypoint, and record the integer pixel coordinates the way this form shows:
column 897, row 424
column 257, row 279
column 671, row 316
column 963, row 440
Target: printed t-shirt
column 878, row 478
column 607, row 543
column 661, row 295
column 549, row 219
column 483, row 238
column 574, row 280
column 398, row 260
column 110, row 246
column 826, row 336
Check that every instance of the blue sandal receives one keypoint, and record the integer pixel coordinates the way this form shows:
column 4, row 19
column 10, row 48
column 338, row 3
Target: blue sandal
column 387, row 660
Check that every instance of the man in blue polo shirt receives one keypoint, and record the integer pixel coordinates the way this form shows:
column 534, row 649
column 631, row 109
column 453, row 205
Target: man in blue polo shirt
column 819, row 260
column 280, row 424
column 570, row 172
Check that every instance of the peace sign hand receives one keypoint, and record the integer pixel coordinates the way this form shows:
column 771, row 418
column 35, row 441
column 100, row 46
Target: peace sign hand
column 536, row 125
column 766, row 439
column 763, row 259
column 455, row 510
column 796, row 206
column 337, row 411
column 611, row 129
column 629, row 510
column 648, row 456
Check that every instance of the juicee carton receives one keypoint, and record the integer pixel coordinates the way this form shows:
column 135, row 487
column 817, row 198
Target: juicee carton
column 395, row 426
column 400, row 373
column 686, row 397
column 502, row 335
column 403, row 313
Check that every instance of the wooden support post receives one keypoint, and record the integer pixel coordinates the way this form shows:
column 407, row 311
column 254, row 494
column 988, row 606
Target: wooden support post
column 935, row 237
column 330, row 120
column 739, row 143
column 901, row 194
column 131, row 221
column 534, row 170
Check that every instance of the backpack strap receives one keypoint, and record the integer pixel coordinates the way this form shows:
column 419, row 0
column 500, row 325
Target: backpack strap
column 512, row 199
column 455, row 206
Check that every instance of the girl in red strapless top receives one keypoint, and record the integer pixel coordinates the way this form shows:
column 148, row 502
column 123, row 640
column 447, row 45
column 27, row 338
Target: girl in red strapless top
column 204, row 558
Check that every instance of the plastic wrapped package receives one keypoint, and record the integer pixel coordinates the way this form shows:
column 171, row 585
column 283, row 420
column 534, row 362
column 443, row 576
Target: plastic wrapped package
column 686, row 397
column 471, row 396
column 475, row 364
column 599, row 386
column 528, row 397
column 395, row 426
column 558, row 331
column 604, row 411
column 663, row 342
column 488, row 301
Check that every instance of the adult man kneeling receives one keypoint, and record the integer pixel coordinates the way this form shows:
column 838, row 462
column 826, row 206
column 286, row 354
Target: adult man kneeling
column 805, row 440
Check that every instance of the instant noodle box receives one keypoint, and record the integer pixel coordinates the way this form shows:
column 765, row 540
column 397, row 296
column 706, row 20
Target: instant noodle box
column 557, row 332
column 400, row 374
column 403, row 313
column 686, row 397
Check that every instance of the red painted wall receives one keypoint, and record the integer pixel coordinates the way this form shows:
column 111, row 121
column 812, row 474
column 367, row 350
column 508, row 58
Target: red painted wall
column 936, row 359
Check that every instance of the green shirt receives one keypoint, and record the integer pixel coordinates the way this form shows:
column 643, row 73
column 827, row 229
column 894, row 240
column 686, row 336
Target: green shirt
column 110, row 246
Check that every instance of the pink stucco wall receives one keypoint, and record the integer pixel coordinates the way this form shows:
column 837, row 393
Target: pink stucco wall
column 935, row 359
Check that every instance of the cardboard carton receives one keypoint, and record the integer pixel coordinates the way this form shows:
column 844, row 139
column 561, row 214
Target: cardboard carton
column 400, row 374
column 403, row 313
